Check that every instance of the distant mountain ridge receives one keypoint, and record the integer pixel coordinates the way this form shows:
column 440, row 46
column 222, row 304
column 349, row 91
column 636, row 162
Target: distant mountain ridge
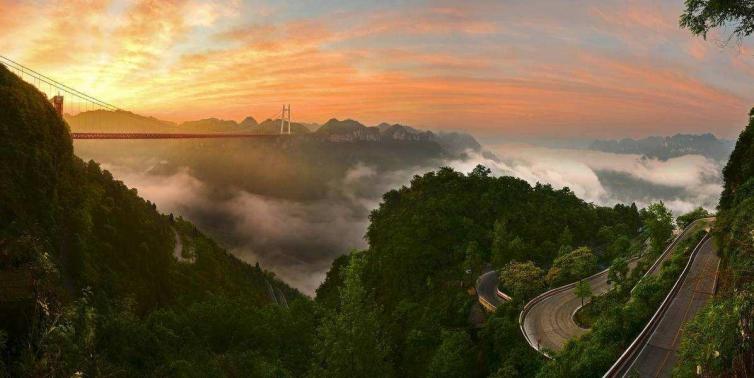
column 334, row 130
column 669, row 147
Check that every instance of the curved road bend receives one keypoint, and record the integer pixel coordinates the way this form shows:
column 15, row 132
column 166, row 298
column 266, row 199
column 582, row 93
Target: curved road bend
column 658, row 355
column 486, row 289
column 549, row 323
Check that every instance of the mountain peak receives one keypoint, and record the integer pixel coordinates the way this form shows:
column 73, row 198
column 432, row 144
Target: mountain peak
column 248, row 122
column 334, row 126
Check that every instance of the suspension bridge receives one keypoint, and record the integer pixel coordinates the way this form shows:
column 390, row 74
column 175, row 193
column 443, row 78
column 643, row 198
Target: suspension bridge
column 68, row 101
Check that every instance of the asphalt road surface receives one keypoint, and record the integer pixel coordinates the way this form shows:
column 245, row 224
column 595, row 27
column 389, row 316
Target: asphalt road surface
column 549, row 324
column 486, row 288
column 659, row 353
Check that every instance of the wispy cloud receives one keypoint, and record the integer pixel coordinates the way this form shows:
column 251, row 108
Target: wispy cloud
column 587, row 68
column 299, row 238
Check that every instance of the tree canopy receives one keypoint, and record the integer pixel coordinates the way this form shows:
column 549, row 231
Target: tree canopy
column 701, row 16
column 523, row 280
column 572, row 266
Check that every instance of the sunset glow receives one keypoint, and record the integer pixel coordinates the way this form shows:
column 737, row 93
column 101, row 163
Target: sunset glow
column 584, row 68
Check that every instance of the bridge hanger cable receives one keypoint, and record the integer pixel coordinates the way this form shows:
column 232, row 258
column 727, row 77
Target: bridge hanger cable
column 57, row 84
column 80, row 102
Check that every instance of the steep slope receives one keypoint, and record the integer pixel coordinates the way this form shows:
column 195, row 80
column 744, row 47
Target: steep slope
column 98, row 288
column 720, row 339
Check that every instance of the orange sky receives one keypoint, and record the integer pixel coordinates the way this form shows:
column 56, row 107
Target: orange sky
column 551, row 68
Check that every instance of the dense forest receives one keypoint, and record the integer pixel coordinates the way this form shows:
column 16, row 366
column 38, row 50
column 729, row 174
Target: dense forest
column 88, row 281
column 427, row 244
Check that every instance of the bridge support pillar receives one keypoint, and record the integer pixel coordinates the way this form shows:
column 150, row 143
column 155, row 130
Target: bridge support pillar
column 57, row 103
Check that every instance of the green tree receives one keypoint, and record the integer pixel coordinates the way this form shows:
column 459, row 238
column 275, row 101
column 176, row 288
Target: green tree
column 350, row 342
column 686, row 219
column 620, row 247
column 700, row 16
column 522, row 279
column 583, row 290
column 500, row 241
column 658, row 225
column 618, row 271
column 572, row 266
column 606, row 234
column 565, row 240
column 454, row 357
column 472, row 263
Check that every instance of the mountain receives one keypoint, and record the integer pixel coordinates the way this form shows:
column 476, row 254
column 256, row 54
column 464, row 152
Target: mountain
column 348, row 131
column 210, row 125
column 453, row 143
column 406, row 133
column 248, row 122
column 458, row 143
column 95, row 281
column 116, row 121
column 311, row 126
column 669, row 147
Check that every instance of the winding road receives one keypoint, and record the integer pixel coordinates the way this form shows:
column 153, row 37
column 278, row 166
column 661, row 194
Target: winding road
column 486, row 288
column 654, row 352
column 547, row 320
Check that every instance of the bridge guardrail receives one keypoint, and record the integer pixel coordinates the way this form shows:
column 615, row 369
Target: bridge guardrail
column 626, row 359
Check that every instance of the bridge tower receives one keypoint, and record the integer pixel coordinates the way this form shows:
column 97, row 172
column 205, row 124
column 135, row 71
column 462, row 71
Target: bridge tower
column 57, row 103
column 285, row 117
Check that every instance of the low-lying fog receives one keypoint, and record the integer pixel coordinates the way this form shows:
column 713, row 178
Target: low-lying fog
column 298, row 237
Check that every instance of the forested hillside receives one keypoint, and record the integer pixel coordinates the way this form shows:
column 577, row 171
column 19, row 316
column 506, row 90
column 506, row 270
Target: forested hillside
column 89, row 282
column 427, row 244
column 720, row 339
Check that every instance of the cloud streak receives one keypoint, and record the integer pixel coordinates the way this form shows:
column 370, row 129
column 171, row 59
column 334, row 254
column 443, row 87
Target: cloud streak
column 593, row 69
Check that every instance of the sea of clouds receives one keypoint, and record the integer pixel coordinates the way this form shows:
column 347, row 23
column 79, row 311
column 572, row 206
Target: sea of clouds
column 299, row 239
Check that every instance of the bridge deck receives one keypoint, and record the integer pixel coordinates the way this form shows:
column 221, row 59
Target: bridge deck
column 166, row 135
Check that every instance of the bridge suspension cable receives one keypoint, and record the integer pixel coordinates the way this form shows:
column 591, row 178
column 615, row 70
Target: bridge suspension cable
column 77, row 103
column 42, row 82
